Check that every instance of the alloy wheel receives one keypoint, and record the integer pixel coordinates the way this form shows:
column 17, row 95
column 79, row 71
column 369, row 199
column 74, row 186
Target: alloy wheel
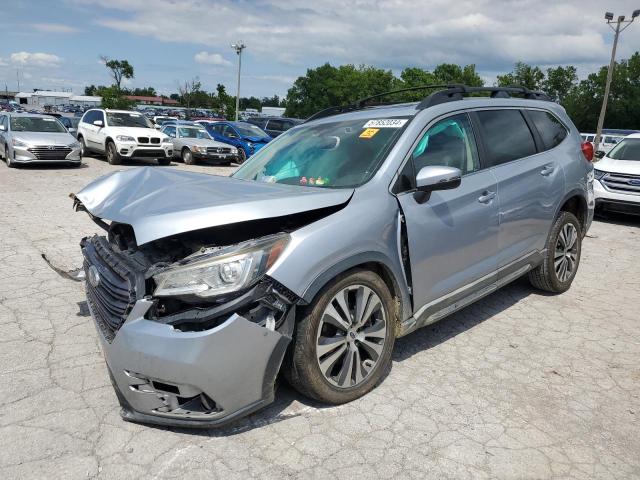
column 566, row 252
column 351, row 336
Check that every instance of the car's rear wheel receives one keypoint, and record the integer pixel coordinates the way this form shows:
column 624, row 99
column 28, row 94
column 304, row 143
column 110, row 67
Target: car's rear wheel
column 562, row 258
column 187, row 156
column 113, row 157
column 343, row 342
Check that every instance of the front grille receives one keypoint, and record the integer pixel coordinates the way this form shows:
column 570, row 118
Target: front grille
column 114, row 294
column 216, row 150
column 149, row 153
column 50, row 152
column 147, row 140
column 622, row 182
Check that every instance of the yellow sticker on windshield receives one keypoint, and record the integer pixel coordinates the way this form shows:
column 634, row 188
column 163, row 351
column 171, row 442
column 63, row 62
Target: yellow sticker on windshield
column 369, row 132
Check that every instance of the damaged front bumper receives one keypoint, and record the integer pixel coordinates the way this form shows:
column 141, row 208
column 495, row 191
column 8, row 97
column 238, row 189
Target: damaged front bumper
column 193, row 379
column 173, row 370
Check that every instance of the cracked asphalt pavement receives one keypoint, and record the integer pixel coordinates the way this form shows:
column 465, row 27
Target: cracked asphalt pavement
column 519, row 385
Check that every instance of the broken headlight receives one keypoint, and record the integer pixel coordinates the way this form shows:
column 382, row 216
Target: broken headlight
column 216, row 271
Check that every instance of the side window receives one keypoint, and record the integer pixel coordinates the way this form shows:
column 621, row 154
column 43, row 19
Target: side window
column 506, row 135
column 451, row 143
column 228, row 131
column 549, row 127
column 590, row 138
column 89, row 117
column 277, row 125
column 100, row 116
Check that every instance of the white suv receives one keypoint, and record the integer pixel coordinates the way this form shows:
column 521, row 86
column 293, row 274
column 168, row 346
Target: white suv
column 122, row 134
column 618, row 177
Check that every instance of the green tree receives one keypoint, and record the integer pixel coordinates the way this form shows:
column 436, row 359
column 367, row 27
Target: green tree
column 523, row 75
column 112, row 98
column 559, row 82
column 327, row 86
column 119, row 70
column 143, row 92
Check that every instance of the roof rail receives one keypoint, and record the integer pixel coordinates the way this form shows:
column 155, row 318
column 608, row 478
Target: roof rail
column 449, row 93
column 456, row 92
column 362, row 103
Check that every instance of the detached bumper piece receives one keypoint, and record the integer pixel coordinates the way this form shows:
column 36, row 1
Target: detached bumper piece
column 185, row 370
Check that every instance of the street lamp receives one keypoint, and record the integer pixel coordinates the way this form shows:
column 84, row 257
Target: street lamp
column 238, row 47
column 619, row 28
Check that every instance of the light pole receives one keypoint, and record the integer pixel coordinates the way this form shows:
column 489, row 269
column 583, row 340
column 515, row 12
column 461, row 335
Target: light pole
column 620, row 25
column 238, row 47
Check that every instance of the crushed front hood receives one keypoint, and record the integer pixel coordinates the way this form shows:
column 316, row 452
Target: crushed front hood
column 160, row 202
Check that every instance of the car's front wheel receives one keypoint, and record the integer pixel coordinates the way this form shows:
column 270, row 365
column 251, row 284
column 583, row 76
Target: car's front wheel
column 242, row 156
column 83, row 148
column 7, row 157
column 187, row 156
column 344, row 340
column 164, row 161
column 113, row 157
column 562, row 258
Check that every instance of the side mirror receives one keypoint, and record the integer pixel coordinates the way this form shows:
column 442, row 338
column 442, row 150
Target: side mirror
column 98, row 123
column 599, row 154
column 2, row 128
column 434, row 178
column 157, row 126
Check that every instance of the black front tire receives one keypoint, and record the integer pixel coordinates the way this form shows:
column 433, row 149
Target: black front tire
column 242, row 157
column 113, row 157
column 83, row 148
column 302, row 369
column 187, row 157
column 545, row 277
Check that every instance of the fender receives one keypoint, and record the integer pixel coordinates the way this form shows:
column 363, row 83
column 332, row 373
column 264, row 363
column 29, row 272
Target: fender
column 400, row 290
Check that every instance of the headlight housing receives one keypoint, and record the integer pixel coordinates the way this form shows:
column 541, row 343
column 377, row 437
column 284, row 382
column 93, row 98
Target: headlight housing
column 125, row 138
column 18, row 143
column 200, row 149
column 598, row 174
column 166, row 140
column 217, row 271
column 74, row 145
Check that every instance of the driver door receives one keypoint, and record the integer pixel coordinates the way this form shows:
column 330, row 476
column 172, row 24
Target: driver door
column 452, row 236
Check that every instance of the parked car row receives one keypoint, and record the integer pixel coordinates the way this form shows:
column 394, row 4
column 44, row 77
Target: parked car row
column 124, row 134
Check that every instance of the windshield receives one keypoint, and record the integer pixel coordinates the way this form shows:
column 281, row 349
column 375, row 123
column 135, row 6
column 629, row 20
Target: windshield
column 627, row 149
column 193, row 132
column 248, row 130
column 337, row 154
column 127, row 119
column 36, row 124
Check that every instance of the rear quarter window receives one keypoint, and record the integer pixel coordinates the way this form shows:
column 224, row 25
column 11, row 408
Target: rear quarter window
column 506, row 135
column 551, row 130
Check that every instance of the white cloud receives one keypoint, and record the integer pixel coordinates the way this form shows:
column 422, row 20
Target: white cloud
column 35, row 59
column 211, row 59
column 53, row 28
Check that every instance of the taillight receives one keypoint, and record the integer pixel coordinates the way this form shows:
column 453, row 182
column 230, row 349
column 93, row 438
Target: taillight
column 587, row 150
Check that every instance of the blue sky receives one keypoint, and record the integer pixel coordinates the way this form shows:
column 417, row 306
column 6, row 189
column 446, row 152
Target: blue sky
column 55, row 44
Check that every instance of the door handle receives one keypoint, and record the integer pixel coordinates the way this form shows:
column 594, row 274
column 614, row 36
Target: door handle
column 547, row 170
column 486, row 197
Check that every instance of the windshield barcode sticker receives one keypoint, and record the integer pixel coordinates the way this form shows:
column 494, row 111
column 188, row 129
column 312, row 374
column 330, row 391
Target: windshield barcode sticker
column 386, row 123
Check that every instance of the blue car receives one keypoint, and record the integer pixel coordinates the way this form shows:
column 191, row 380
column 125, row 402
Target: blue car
column 246, row 137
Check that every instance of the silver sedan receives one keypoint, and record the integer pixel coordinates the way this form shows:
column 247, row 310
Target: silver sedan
column 31, row 138
column 192, row 143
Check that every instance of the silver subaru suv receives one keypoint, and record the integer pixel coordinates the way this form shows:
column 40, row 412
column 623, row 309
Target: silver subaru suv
column 346, row 232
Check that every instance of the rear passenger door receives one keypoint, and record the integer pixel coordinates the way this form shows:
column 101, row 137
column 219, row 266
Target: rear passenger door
column 530, row 182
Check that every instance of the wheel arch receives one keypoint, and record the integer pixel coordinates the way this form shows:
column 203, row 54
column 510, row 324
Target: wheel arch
column 575, row 202
column 373, row 261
